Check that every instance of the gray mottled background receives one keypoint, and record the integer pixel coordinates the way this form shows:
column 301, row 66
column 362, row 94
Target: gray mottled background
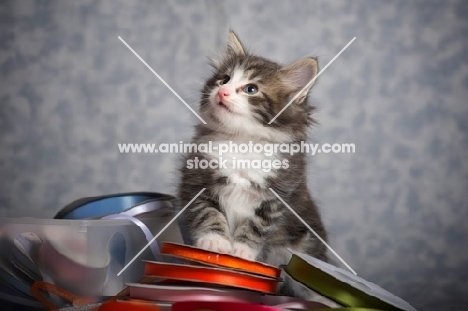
column 397, row 209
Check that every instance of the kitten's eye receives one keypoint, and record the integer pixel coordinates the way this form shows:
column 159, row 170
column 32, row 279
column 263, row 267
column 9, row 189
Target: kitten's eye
column 225, row 79
column 250, row 89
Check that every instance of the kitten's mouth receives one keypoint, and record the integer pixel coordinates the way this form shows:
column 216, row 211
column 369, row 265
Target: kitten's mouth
column 223, row 106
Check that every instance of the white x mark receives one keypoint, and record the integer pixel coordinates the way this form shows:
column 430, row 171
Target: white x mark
column 313, row 231
column 312, row 81
column 159, row 77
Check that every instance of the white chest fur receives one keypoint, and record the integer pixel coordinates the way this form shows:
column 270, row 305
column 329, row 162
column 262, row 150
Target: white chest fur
column 238, row 197
column 243, row 165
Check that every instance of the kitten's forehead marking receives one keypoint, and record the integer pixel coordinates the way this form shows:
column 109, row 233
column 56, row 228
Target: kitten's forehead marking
column 239, row 77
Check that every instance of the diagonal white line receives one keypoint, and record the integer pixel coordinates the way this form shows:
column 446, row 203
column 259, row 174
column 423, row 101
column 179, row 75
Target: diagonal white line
column 313, row 231
column 167, row 85
column 162, row 230
column 312, row 81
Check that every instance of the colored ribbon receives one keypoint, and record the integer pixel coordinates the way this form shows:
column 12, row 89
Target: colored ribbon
column 92, row 207
column 149, row 237
column 126, row 206
column 129, row 304
column 341, row 292
column 222, row 260
column 219, row 306
column 121, row 206
column 182, row 298
column 174, row 293
column 177, row 293
column 228, row 306
column 37, row 287
column 211, row 275
column 348, row 309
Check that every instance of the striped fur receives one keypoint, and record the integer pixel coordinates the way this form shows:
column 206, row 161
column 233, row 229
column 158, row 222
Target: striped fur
column 237, row 213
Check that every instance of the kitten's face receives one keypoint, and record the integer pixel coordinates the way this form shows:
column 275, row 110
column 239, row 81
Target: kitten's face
column 247, row 91
column 242, row 94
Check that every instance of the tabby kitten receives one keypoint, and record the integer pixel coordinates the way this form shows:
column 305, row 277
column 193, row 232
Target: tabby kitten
column 237, row 213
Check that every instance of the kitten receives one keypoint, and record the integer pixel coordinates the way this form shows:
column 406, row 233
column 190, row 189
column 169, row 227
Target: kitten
column 237, row 213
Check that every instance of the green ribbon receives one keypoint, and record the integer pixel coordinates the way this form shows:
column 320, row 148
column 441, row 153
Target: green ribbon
column 339, row 291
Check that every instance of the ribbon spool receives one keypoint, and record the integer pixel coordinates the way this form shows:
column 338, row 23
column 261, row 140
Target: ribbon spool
column 121, row 206
column 219, row 306
column 221, row 260
column 351, row 291
column 211, row 275
column 129, row 304
column 95, row 207
column 178, row 293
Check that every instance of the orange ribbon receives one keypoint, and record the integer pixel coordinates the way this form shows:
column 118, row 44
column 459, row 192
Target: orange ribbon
column 39, row 286
column 129, row 304
column 222, row 260
column 212, row 275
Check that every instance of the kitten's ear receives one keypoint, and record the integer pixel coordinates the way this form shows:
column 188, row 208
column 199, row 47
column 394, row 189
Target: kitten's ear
column 234, row 48
column 234, row 45
column 299, row 75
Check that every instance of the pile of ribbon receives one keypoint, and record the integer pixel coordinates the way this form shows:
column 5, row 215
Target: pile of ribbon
column 178, row 278
column 200, row 280
column 205, row 280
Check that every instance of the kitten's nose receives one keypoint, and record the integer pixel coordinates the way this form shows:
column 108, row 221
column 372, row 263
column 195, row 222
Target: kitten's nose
column 223, row 92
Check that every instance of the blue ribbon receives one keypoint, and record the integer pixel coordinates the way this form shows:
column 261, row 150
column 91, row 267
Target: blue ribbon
column 93, row 207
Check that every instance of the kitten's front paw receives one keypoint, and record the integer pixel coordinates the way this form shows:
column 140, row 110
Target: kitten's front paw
column 244, row 251
column 215, row 243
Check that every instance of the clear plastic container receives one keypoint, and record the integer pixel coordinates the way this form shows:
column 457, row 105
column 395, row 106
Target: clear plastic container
column 81, row 256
